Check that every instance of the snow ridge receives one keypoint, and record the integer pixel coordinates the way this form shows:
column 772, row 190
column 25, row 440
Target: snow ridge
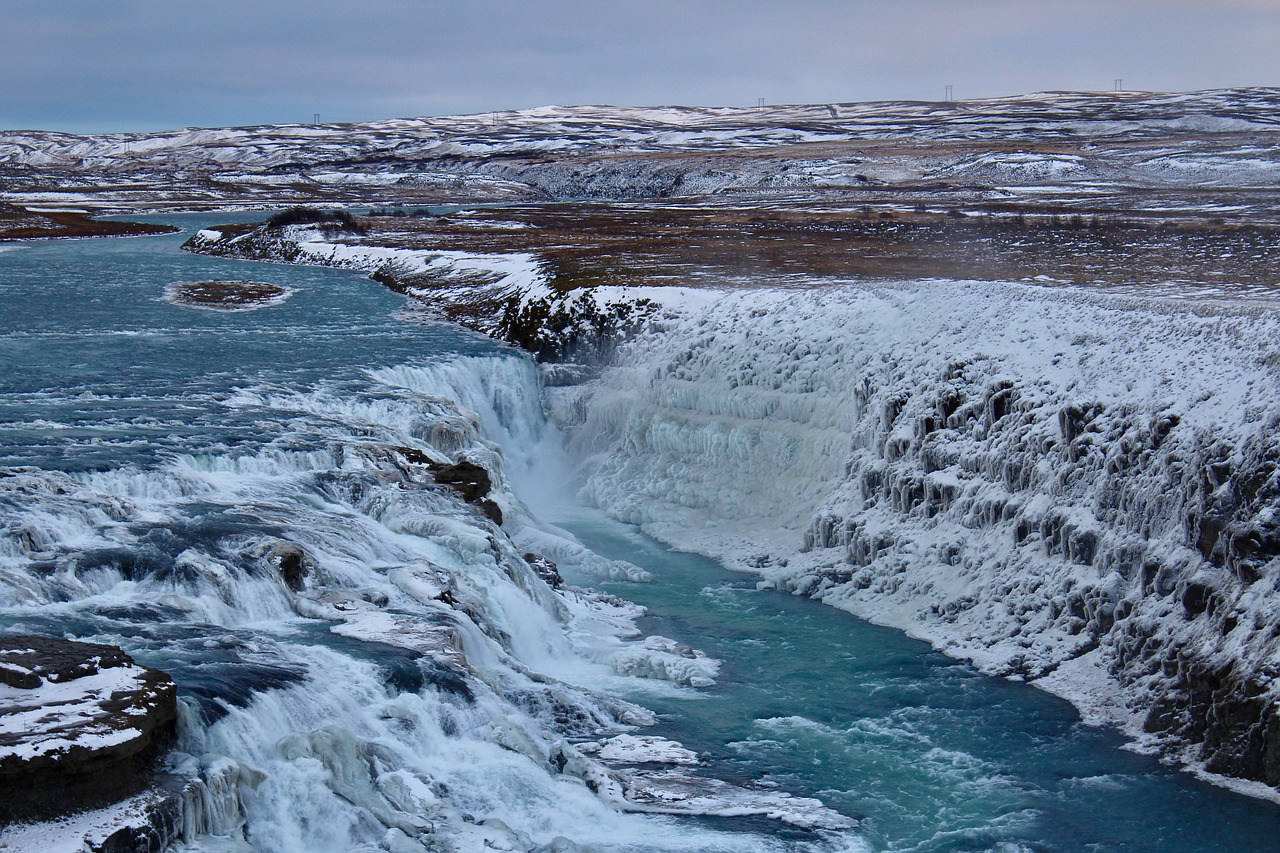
column 1042, row 142
column 578, row 129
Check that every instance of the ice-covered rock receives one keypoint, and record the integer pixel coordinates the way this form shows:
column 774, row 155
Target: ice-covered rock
column 667, row 660
column 639, row 749
column 1065, row 487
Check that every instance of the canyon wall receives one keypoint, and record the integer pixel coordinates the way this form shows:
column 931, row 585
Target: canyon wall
column 1072, row 489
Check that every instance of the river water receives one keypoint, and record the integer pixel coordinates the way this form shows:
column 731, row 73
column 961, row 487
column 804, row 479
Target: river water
column 181, row 430
column 933, row 755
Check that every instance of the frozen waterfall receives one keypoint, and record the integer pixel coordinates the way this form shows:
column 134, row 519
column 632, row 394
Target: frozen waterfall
column 1068, row 487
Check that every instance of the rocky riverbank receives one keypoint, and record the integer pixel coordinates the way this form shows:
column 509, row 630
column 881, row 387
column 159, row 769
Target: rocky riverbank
column 38, row 223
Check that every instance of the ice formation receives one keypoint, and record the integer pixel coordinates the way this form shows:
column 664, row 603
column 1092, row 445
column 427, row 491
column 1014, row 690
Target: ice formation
column 1071, row 488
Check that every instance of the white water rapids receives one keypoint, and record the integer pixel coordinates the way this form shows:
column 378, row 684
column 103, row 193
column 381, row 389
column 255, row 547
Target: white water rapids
column 899, row 452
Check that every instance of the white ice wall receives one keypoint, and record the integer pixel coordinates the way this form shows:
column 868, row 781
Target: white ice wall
column 1061, row 486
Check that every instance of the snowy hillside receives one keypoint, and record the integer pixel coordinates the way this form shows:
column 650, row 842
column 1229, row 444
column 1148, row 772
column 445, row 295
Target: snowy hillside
column 635, row 129
column 1043, row 144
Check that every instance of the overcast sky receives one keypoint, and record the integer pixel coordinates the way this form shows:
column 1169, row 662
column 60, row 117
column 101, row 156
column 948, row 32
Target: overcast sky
column 95, row 65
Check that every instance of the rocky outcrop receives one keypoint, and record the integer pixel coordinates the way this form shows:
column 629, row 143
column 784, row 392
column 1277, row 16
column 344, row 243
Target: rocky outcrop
column 472, row 482
column 81, row 726
column 545, row 569
column 554, row 323
column 226, row 295
column 289, row 561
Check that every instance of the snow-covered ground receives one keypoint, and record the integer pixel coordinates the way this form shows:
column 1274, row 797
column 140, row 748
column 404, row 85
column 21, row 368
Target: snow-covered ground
column 561, row 129
column 1066, row 487
column 1046, row 143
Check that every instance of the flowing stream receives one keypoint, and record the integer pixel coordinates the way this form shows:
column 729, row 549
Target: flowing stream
column 932, row 754
column 160, row 442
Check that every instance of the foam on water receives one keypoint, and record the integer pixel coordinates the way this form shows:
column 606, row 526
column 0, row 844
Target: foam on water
column 415, row 684
column 928, row 753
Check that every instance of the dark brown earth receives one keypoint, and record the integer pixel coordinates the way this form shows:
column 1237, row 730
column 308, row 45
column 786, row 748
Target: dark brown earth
column 227, row 295
column 18, row 223
column 777, row 242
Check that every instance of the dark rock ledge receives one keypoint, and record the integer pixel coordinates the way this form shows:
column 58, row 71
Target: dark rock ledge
column 81, row 726
column 472, row 482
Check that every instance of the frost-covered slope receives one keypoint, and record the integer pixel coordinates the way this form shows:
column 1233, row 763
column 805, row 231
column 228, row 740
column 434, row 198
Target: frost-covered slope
column 1069, row 488
column 561, row 129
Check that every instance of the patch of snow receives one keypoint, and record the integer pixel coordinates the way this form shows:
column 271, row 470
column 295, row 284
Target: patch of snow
column 639, row 749
column 58, row 716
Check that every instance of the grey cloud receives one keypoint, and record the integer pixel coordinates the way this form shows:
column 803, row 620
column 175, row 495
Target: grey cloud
column 146, row 64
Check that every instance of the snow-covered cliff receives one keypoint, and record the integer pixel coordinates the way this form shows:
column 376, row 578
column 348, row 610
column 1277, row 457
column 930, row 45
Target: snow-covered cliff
column 1075, row 489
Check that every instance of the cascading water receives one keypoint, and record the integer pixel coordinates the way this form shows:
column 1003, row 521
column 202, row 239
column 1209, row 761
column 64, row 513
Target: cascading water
column 249, row 501
column 366, row 662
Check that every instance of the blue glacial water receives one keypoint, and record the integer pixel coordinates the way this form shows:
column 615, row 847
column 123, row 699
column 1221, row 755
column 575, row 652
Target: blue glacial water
column 100, row 371
column 929, row 753
column 223, row 427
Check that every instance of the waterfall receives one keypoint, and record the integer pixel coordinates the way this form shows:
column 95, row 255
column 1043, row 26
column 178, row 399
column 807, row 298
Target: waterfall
column 365, row 659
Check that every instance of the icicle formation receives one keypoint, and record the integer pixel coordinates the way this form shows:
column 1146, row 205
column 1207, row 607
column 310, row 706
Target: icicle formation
column 1069, row 488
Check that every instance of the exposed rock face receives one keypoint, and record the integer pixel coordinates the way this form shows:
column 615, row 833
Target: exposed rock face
column 81, row 726
column 150, row 823
column 290, row 561
column 546, row 569
column 561, row 323
column 466, row 478
column 471, row 481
